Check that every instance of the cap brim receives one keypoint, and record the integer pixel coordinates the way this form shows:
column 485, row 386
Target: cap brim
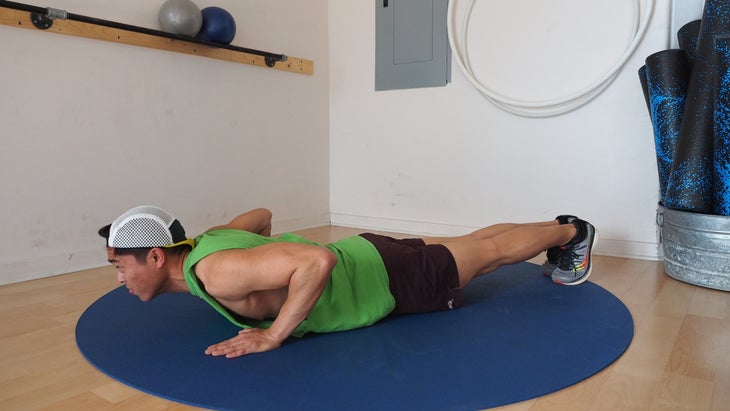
column 104, row 231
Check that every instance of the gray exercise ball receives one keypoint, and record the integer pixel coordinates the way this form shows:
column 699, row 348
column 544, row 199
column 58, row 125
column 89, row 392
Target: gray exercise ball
column 180, row 17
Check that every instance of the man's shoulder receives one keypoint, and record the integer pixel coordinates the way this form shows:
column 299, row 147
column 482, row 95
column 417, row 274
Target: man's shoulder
column 217, row 261
column 218, row 270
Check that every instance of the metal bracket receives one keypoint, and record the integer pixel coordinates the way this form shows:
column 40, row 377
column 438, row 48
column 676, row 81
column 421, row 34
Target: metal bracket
column 41, row 21
column 45, row 21
column 271, row 61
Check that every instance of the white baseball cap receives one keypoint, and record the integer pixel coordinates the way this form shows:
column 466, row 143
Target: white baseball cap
column 145, row 227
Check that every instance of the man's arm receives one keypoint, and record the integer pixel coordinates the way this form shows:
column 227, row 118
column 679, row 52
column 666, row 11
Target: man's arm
column 257, row 221
column 302, row 269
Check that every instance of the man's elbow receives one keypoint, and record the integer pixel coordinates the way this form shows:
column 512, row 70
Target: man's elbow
column 326, row 260
column 265, row 213
column 264, row 221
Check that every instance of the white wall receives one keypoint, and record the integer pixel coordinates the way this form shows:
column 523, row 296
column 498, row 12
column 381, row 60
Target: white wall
column 87, row 130
column 90, row 128
column 445, row 161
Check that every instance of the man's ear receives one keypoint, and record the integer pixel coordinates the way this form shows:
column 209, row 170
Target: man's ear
column 157, row 256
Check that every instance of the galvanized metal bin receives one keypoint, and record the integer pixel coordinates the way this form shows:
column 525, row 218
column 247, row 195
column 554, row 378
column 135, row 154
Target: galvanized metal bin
column 696, row 247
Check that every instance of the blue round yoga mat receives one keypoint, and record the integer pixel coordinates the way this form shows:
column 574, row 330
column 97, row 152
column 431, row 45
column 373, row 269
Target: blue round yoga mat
column 519, row 336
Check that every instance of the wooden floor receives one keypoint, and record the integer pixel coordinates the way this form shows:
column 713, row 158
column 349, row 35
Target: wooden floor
column 679, row 358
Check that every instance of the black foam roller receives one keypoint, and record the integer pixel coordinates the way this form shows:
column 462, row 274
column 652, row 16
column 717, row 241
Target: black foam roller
column 690, row 186
column 667, row 76
column 645, row 87
column 722, row 129
column 687, row 38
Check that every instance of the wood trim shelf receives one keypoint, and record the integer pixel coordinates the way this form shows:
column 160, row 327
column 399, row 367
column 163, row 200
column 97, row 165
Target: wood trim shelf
column 22, row 19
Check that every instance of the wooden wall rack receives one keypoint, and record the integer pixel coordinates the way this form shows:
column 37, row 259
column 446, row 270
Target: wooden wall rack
column 61, row 22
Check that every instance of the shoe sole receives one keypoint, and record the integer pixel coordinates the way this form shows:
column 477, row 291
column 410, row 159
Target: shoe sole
column 585, row 276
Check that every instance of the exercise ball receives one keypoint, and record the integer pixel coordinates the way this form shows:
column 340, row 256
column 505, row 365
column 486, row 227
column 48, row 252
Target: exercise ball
column 218, row 25
column 180, row 17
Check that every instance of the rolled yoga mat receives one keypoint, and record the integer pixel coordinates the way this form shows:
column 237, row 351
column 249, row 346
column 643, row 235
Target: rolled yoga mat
column 687, row 39
column 645, row 87
column 666, row 77
column 518, row 336
column 722, row 129
column 691, row 181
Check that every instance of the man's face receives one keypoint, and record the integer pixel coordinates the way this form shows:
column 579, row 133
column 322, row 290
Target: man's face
column 142, row 279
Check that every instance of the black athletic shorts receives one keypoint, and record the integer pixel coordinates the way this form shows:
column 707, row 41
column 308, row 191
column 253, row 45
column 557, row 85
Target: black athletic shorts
column 423, row 278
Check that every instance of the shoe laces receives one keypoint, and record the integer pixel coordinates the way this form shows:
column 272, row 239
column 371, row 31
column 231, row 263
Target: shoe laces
column 566, row 260
column 553, row 254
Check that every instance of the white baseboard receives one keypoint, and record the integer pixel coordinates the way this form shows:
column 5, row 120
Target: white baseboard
column 399, row 226
column 609, row 247
column 629, row 249
column 24, row 270
column 285, row 226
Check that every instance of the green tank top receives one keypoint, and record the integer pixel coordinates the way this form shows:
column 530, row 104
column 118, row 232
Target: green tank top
column 357, row 294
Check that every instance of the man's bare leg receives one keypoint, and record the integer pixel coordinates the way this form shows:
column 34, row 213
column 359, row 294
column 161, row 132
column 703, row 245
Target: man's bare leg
column 478, row 254
column 488, row 232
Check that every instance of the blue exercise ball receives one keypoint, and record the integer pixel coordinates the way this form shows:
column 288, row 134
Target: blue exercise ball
column 180, row 17
column 218, row 25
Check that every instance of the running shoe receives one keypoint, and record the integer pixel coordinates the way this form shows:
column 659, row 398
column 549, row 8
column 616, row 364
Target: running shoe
column 574, row 264
column 553, row 254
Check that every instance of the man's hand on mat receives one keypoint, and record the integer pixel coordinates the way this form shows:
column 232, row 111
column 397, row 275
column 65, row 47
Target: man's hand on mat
column 248, row 341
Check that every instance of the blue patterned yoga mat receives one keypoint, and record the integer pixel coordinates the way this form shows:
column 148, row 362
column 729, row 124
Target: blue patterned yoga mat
column 519, row 336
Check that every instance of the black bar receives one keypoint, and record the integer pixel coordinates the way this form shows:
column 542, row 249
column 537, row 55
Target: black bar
column 143, row 30
column 21, row 6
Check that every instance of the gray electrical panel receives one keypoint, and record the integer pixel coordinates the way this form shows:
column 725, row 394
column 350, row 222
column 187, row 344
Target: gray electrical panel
column 411, row 44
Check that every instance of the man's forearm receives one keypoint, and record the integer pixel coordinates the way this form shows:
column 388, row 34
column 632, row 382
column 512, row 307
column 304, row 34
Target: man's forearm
column 306, row 286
